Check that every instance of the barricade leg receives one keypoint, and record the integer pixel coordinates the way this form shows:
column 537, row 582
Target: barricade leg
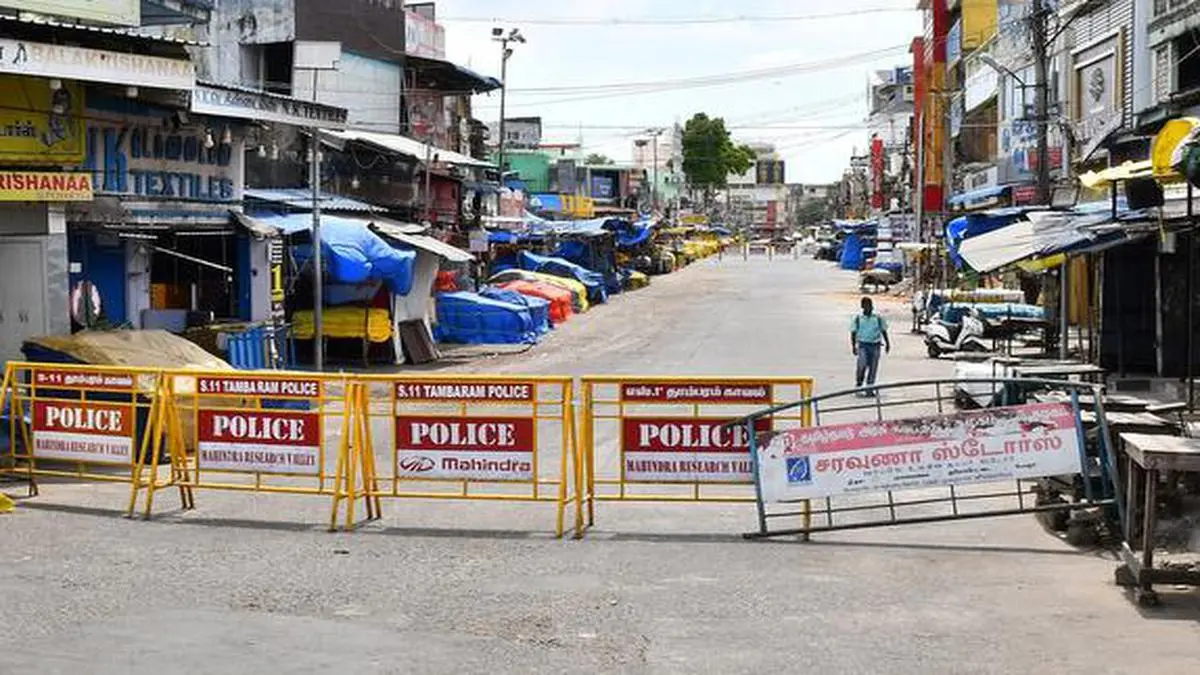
column 366, row 453
column 139, row 465
column 343, row 480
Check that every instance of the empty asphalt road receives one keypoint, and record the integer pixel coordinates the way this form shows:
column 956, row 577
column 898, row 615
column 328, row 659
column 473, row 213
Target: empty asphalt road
column 253, row 584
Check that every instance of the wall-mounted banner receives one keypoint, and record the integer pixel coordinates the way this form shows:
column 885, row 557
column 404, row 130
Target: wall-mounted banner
column 1028, row 441
column 40, row 124
column 45, row 186
column 22, row 57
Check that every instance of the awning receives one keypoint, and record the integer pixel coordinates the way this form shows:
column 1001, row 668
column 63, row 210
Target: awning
column 980, row 197
column 301, row 199
column 255, row 226
column 423, row 242
column 450, row 76
column 1045, row 235
column 406, row 146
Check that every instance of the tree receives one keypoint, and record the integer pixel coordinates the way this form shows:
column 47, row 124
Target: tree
column 710, row 155
column 813, row 212
column 597, row 159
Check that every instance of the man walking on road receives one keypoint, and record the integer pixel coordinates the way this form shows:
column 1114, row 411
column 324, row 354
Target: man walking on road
column 867, row 332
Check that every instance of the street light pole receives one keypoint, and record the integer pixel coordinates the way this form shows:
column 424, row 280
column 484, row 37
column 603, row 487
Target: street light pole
column 1041, row 103
column 498, row 35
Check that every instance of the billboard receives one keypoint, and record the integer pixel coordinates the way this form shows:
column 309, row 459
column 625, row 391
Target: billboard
column 47, row 127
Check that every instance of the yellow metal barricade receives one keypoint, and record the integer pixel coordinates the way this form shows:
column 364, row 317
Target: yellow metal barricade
column 472, row 438
column 664, row 439
column 267, row 432
column 89, row 423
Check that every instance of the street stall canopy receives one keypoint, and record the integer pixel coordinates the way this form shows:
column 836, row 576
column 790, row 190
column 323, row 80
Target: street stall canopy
column 1039, row 233
column 402, row 235
column 353, row 252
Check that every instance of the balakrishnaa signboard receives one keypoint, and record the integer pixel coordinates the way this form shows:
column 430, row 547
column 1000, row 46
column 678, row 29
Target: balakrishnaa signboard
column 120, row 12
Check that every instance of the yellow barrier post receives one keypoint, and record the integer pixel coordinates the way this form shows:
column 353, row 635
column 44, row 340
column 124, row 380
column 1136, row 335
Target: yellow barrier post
column 468, row 437
column 671, row 439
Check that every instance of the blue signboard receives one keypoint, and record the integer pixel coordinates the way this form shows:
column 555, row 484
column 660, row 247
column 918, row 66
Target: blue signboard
column 954, row 43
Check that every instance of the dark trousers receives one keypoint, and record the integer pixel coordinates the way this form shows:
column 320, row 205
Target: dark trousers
column 868, row 363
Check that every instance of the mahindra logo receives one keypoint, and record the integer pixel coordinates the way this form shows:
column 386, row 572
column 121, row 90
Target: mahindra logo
column 417, row 464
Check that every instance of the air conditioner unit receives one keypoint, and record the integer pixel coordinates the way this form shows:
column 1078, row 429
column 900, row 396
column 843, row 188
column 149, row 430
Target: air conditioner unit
column 908, row 92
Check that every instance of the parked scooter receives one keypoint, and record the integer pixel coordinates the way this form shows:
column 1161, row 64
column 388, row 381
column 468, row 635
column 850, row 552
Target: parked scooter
column 942, row 337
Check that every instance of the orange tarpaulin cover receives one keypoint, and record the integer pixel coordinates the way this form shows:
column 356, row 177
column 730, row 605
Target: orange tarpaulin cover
column 559, row 298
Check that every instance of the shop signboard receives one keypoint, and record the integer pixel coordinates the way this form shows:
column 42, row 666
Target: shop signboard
column 261, row 106
column 141, row 157
column 45, row 186
column 119, row 12
column 47, row 127
column 686, row 450
column 466, row 448
column 982, row 446
column 40, row 59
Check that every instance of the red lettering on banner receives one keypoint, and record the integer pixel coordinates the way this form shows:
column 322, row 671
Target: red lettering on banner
column 497, row 434
column 260, row 427
column 82, row 418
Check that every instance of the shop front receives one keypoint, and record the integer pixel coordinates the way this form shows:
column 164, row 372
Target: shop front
column 159, row 244
column 37, row 139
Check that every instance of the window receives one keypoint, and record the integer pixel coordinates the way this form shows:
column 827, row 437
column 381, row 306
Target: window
column 1160, row 7
column 1161, row 72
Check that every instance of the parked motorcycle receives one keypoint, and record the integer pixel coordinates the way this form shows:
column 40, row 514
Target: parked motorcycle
column 942, row 337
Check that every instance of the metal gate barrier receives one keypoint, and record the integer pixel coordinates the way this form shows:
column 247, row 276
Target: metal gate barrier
column 493, row 438
column 80, row 422
column 672, row 436
column 266, row 432
column 907, row 457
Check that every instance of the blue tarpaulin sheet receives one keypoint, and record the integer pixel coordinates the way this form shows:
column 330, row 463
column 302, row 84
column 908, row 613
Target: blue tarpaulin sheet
column 852, row 253
column 539, row 309
column 353, row 254
column 470, row 318
column 975, row 224
column 594, row 281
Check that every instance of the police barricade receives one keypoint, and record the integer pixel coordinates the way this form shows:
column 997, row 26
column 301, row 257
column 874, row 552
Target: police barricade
column 473, row 438
column 668, row 439
column 266, row 432
column 80, row 422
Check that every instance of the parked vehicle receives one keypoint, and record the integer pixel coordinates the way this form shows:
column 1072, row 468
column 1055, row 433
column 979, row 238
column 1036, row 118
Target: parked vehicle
column 943, row 337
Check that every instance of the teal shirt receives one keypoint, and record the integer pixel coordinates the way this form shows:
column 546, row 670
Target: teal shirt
column 868, row 329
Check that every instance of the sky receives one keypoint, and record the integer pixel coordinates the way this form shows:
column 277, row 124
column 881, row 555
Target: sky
column 817, row 91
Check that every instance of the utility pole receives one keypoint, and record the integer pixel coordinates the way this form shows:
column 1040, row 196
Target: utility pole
column 498, row 35
column 1041, row 103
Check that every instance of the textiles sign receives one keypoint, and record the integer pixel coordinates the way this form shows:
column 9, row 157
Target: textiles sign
column 142, row 157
